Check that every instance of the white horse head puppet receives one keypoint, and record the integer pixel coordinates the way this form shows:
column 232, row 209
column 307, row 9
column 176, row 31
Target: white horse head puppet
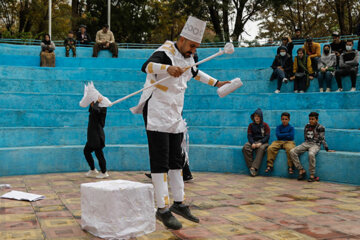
column 91, row 94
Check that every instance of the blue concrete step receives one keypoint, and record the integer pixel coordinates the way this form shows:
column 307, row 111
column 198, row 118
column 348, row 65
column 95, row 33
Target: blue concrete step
column 48, row 136
column 128, row 86
column 343, row 100
column 337, row 118
column 334, row 167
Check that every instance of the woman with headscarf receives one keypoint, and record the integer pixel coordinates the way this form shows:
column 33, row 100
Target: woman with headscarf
column 326, row 66
column 47, row 55
column 303, row 71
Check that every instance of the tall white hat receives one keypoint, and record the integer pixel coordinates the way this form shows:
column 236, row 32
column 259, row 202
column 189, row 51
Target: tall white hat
column 194, row 29
column 91, row 94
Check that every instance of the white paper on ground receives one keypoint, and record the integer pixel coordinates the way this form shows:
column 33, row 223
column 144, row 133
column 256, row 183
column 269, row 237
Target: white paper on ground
column 230, row 87
column 117, row 209
column 18, row 195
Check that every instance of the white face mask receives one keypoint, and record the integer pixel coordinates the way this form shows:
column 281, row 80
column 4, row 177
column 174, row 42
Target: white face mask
column 348, row 48
column 282, row 54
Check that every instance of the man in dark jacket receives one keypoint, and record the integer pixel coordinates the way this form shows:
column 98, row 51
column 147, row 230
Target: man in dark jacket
column 337, row 46
column 82, row 36
column 298, row 38
column 282, row 66
column 258, row 138
column 96, row 140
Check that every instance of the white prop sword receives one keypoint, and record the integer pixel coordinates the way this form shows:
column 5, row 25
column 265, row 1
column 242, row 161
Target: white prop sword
column 228, row 49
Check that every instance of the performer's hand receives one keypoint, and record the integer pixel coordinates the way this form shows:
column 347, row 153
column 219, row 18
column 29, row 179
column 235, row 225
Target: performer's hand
column 222, row 83
column 175, row 71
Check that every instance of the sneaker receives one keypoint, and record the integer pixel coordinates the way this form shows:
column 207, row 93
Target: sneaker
column 321, row 90
column 328, row 90
column 92, row 173
column 285, row 80
column 168, row 220
column 339, row 90
column 277, row 91
column 183, row 211
column 253, row 172
column 103, row 175
column 352, row 89
column 301, row 91
column 296, row 91
column 148, row 175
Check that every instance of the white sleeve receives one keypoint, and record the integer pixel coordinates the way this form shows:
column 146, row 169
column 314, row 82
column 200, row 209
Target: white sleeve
column 204, row 78
column 156, row 68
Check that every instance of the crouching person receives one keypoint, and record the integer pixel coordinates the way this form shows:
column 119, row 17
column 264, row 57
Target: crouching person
column 258, row 138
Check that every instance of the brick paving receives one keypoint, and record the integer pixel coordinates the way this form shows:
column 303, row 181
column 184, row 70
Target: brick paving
column 229, row 206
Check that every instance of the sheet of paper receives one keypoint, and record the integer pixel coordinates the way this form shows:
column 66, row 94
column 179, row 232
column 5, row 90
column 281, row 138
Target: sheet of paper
column 18, row 195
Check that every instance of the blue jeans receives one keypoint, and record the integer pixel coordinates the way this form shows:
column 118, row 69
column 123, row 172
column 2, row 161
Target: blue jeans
column 279, row 75
column 327, row 76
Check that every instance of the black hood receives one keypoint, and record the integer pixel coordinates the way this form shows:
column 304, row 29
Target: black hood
column 259, row 113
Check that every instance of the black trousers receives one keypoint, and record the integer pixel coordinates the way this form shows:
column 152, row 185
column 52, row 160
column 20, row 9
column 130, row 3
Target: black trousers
column 300, row 83
column 164, row 149
column 99, row 155
column 344, row 72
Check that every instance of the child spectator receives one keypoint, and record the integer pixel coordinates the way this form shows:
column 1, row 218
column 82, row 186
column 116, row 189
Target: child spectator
column 302, row 71
column 326, row 65
column 258, row 138
column 96, row 139
column 348, row 65
column 285, row 140
column 82, row 36
column 70, row 43
column 47, row 55
column 313, row 50
column 282, row 66
column 314, row 134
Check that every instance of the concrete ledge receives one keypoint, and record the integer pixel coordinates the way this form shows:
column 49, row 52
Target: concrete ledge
column 339, row 167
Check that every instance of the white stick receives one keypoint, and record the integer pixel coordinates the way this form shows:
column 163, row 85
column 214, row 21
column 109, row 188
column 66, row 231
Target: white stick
column 221, row 52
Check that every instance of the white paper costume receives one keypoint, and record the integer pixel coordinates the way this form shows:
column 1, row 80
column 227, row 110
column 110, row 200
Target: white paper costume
column 91, row 94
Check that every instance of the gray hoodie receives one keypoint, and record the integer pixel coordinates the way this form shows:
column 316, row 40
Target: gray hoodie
column 327, row 60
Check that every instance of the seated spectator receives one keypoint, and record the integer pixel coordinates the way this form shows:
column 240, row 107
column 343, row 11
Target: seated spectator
column 348, row 65
column 282, row 66
column 298, row 39
column 326, row 66
column 82, row 36
column 337, row 46
column 313, row 50
column 287, row 42
column 314, row 134
column 47, row 55
column 70, row 43
column 258, row 138
column 285, row 140
column 105, row 40
column 302, row 71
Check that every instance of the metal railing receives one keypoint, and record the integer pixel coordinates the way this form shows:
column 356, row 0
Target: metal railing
column 254, row 43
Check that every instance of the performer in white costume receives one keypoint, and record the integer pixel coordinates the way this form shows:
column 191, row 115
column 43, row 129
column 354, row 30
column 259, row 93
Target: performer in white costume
column 162, row 111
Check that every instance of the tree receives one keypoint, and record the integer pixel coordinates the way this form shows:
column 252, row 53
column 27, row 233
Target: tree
column 8, row 13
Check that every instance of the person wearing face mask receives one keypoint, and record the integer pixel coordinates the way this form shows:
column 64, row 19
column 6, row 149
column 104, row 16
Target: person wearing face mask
column 326, row 66
column 282, row 67
column 348, row 65
column 313, row 50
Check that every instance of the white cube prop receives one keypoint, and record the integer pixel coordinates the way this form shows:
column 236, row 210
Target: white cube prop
column 117, row 209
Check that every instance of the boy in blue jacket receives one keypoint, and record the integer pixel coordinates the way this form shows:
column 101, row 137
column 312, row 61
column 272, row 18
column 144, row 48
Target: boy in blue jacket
column 285, row 140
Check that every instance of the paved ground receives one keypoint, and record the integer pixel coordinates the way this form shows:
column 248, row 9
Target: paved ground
column 229, row 206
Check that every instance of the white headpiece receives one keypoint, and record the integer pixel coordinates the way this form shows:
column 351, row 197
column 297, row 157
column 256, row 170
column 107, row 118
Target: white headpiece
column 194, row 29
column 92, row 95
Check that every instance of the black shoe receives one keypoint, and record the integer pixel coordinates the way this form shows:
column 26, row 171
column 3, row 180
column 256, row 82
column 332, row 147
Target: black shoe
column 183, row 211
column 187, row 178
column 148, row 175
column 301, row 176
column 168, row 220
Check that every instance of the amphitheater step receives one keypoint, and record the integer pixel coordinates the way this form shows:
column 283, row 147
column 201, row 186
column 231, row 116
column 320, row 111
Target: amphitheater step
column 337, row 118
column 335, row 167
column 47, row 136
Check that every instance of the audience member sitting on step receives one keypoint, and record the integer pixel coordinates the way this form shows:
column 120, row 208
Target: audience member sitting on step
column 282, row 66
column 285, row 140
column 326, row 66
column 105, row 40
column 313, row 50
column 302, row 71
column 298, row 38
column 314, row 134
column 82, row 36
column 258, row 135
column 287, row 42
column 348, row 65
column 70, row 43
column 337, row 46
column 47, row 54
